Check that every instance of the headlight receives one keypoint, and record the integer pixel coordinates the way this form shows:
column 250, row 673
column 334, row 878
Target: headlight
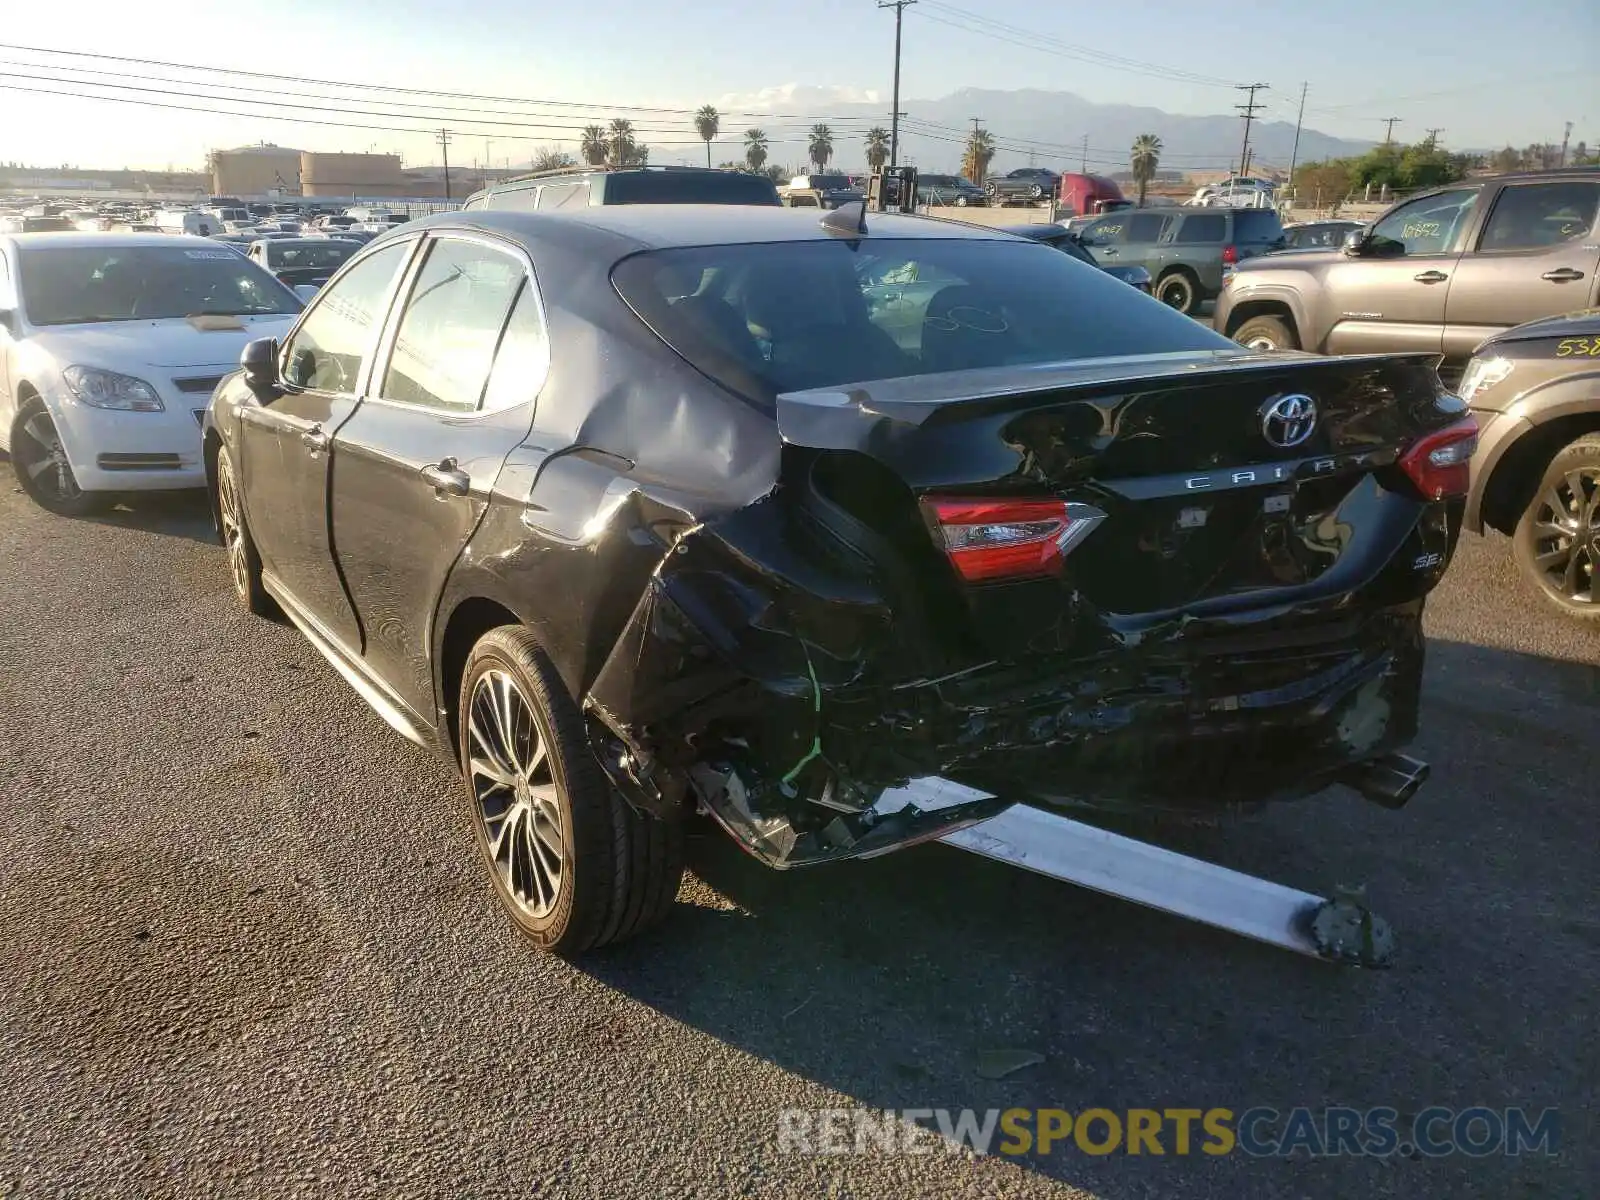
column 109, row 389
column 1482, row 374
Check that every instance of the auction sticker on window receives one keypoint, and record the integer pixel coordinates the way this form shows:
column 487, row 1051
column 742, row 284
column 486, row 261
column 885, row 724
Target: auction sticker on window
column 218, row 255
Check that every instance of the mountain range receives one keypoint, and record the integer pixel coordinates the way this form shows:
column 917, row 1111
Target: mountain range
column 1047, row 128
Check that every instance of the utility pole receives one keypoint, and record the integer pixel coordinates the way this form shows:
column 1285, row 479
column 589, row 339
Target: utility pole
column 1433, row 137
column 1084, row 165
column 1248, row 110
column 444, row 147
column 899, row 7
column 1565, row 137
column 1294, row 155
column 1388, row 129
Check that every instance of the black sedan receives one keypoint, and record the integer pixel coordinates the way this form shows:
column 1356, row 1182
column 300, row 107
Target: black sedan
column 1064, row 240
column 849, row 536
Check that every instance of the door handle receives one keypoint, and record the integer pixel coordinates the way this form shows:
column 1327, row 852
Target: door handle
column 315, row 439
column 1110, row 251
column 1562, row 275
column 447, row 479
column 1431, row 277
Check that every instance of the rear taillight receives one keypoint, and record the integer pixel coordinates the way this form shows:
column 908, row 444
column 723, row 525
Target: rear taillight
column 1440, row 464
column 1230, row 256
column 1009, row 539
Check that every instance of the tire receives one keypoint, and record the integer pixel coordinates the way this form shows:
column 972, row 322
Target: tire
column 1036, row 192
column 960, row 201
column 1557, row 538
column 1266, row 333
column 1177, row 290
column 244, row 562
column 40, row 464
column 582, row 869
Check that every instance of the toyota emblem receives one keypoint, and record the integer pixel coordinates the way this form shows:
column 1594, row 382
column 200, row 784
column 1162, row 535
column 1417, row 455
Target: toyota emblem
column 1288, row 420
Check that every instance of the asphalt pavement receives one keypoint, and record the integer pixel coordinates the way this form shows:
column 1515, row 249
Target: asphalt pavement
column 245, row 947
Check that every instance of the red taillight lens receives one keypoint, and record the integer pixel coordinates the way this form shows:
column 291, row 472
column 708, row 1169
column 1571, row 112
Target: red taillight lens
column 1009, row 539
column 1440, row 464
column 1230, row 256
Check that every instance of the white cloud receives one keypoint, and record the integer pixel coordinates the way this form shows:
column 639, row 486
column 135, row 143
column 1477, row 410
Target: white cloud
column 796, row 98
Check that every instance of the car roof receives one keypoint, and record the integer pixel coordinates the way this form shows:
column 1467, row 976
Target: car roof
column 667, row 226
column 64, row 240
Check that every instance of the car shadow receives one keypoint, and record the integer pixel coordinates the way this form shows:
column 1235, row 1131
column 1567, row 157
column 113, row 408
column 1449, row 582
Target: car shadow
column 902, row 982
column 185, row 514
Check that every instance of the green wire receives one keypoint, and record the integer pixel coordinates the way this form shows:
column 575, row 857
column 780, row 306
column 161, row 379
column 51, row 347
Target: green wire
column 816, row 707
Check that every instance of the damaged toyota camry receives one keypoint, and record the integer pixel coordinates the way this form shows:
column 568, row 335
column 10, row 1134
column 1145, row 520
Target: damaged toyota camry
column 850, row 532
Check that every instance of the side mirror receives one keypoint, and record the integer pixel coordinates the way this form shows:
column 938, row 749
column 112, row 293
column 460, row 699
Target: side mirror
column 259, row 361
column 1355, row 243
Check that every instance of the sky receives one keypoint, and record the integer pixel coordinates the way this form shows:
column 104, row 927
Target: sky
column 1488, row 71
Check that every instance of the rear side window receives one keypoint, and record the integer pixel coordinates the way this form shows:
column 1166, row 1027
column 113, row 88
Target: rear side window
column 1258, row 226
column 1207, row 229
column 1531, row 216
column 523, row 359
column 452, row 323
column 564, row 195
column 513, row 200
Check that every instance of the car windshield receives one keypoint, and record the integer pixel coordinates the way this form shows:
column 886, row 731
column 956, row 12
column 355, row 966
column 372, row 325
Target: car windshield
column 78, row 284
column 767, row 319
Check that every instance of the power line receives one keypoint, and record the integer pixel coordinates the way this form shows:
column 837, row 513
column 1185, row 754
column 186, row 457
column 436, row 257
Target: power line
column 1248, row 109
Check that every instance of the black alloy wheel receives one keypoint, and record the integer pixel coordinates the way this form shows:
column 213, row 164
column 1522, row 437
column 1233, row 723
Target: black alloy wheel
column 1557, row 539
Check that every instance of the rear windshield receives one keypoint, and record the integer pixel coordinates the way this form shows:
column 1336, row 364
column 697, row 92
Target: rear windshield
column 328, row 253
column 767, row 319
column 689, row 187
column 1256, row 225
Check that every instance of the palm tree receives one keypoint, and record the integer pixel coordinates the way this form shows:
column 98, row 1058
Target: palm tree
column 1145, row 158
column 621, row 148
column 821, row 145
column 593, row 145
column 755, row 148
column 877, row 147
column 707, row 122
column 980, row 152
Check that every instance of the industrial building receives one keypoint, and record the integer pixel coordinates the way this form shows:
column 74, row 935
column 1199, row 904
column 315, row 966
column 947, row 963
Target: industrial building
column 255, row 171
column 352, row 175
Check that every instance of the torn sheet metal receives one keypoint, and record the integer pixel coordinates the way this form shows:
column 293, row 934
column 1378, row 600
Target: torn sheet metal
column 1337, row 930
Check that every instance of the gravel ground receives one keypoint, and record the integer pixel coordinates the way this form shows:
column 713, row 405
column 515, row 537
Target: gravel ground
column 246, row 949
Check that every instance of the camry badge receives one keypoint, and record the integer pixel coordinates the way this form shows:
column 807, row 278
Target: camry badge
column 1288, row 420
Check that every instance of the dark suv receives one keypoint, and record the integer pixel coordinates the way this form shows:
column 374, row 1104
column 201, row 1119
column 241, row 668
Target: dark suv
column 1184, row 249
column 580, row 187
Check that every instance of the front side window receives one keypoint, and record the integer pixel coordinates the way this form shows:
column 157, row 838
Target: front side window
column 82, row 284
column 1430, row 225
column 1534, row 216
column 452, row 323
column 1110, row 232
column 767, row 319
column 326, row 352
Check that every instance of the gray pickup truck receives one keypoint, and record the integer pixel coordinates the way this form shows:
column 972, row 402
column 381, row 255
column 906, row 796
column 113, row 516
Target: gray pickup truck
column 1438, row 272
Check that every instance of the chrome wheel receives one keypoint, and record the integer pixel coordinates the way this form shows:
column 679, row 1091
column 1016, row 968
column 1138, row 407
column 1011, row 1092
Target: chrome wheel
column 41, row 457
column 1565, row 535
column 232, row 526
column 514, row 788
column 1261, row 343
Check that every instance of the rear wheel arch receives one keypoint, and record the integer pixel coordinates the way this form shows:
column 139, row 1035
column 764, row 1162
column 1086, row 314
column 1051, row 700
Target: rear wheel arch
column 1514, row 478
column 471, row 618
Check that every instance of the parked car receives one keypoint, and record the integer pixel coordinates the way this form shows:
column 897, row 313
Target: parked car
column 957, row 191
column 110, row 345
column 632, row 508
column 1184, row 249
column 1022, row 185
column 26, row 224
column 1067, row 242
column 1318, row 235
column 1536, row 392
column 584, row 186
column 187, row 221
column 1438, row 272
column 820, row 191
column 302, row 260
